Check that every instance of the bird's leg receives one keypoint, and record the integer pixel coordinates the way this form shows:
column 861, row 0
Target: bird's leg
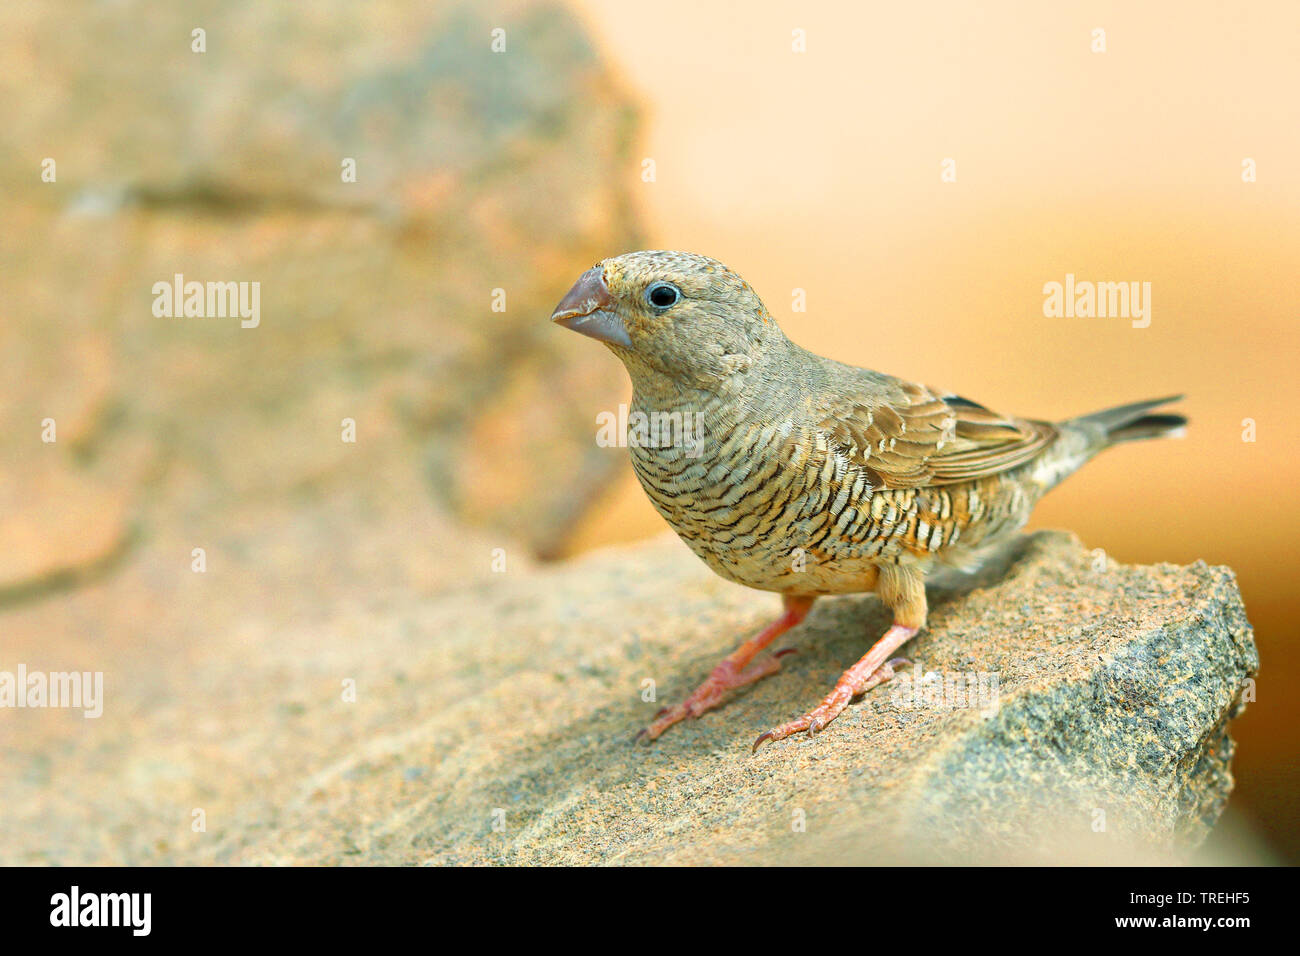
column 873, row 669
column 904, row 591
column 735, row 669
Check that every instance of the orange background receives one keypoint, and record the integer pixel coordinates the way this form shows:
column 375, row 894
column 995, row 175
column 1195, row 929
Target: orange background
column 821, row 171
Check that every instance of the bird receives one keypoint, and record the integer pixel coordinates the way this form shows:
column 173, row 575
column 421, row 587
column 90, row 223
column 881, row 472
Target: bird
column 792, row 473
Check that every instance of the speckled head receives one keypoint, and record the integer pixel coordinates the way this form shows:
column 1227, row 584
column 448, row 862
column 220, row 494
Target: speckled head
column 675, row 313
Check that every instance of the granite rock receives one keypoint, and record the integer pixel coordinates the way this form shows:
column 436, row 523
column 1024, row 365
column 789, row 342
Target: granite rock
column 496, row 725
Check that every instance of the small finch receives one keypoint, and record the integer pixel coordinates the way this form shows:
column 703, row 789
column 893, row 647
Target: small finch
column 788, row 472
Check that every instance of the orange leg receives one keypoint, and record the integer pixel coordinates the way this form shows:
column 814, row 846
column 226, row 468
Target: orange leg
column 735, row 670
column 874, row 668
column 901, row 588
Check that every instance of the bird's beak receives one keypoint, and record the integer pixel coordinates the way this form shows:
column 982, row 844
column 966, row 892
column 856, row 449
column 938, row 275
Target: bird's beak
column 589, row 308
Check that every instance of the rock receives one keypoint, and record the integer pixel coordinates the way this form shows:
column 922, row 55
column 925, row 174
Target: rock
column 1108, row 727
column 476, row 172
column 519, row 698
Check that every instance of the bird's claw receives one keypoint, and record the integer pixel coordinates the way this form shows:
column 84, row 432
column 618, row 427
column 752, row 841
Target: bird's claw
column 807, row 722
column 815, row 721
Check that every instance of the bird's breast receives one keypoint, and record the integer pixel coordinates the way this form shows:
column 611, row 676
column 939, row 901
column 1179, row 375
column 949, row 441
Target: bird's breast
column 791, row 512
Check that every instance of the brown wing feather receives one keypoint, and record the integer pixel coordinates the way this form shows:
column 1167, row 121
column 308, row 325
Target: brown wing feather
column 927, row 437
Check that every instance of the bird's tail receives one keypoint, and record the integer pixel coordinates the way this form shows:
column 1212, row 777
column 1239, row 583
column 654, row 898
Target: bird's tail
column 1079, row 439
column 1134, row 423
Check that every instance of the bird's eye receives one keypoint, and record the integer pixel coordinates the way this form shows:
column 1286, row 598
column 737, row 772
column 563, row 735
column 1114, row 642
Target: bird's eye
column 662, row 295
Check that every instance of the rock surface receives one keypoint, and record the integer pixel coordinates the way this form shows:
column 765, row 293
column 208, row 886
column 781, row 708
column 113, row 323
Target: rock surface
column 495, row 725
column 475, row 172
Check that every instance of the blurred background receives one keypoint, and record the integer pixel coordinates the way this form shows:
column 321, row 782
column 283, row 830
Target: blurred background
column 804, row 146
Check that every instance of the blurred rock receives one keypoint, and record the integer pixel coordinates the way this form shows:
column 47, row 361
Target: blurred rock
column 476, row 171
column 437, row 121
column 520, row 698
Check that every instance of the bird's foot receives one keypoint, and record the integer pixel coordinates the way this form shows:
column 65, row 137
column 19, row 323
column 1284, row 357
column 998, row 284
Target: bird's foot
column 867, row 673
column 725, row 677
column 831, row 706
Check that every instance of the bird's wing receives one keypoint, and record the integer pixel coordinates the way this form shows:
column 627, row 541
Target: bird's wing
column 921, row 436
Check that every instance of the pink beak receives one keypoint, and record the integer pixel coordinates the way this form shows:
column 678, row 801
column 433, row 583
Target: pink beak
column 589, row 308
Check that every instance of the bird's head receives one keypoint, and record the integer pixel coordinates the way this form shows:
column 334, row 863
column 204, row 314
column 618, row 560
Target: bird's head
column 677, row 314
